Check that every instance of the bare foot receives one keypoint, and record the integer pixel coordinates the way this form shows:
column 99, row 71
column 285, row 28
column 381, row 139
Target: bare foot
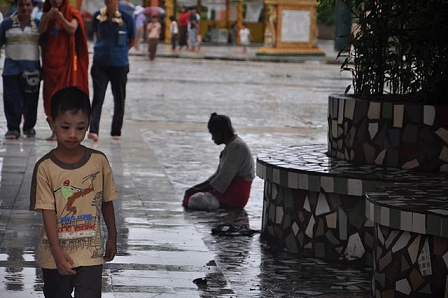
column 116, row 138
column 52, row 137
column 93, row 136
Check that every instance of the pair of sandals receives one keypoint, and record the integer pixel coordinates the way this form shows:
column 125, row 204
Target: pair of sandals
column 227, row 229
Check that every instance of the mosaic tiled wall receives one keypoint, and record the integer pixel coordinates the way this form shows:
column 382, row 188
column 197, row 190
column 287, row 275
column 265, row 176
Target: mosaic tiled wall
column 409, row 264
column 319, row 224
column 411, row 239
column 407, row 136
column 315, row 204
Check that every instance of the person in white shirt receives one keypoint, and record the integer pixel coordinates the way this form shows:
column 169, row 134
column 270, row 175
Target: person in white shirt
column 174, row 30
column 244, row 37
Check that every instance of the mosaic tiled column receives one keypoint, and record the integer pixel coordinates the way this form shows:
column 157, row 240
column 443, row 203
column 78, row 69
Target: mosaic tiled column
column 388, row 134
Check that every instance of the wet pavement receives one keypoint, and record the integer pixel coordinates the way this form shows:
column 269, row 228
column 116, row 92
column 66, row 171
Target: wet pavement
column 165, row 149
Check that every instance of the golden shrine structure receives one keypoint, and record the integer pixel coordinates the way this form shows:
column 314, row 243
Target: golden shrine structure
column 291, row 28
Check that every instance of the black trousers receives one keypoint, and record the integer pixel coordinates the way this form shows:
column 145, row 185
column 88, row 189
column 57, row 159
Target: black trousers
column 17, row 102
column 118, row 77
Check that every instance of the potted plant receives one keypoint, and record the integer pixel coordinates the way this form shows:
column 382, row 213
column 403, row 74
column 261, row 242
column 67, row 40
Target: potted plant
column 393, row 114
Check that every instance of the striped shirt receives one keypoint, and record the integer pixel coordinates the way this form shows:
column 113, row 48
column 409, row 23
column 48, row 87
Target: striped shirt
column 21, row 45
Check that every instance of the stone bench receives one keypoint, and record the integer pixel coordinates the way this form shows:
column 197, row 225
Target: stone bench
column 315, row 205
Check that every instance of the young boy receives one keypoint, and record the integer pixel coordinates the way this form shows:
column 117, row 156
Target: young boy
column 72, row 185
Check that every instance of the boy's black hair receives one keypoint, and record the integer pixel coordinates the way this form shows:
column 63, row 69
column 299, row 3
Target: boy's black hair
column 220, row 123
column 70, row 99
column 172, row 18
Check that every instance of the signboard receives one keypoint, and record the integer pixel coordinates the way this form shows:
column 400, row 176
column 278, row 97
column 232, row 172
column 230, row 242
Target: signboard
column 295, row 26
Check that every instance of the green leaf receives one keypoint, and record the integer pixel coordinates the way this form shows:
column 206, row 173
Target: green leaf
column 347, row 89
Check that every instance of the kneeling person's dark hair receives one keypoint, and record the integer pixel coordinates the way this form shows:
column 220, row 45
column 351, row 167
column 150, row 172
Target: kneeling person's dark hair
column 221, row 123
column 70, row 99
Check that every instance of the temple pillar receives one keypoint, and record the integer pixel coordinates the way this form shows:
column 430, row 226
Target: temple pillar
column 291, row 28
column 228, row 14
column 170, row 11
column 239, row 19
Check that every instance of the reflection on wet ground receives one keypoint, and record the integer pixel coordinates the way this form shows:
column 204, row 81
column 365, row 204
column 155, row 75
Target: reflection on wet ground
column 165, row 148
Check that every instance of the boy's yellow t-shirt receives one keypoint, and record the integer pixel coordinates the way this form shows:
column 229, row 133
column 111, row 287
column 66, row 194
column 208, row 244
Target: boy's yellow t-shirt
column 76, row 191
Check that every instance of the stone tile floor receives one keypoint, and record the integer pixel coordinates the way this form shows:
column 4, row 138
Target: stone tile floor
column 166, row 148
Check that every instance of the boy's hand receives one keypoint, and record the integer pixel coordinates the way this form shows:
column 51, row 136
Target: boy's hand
column 111, row 250
column 64, row 264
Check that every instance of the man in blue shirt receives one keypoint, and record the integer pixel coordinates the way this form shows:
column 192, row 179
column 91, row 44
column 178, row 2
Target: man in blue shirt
column 115, row 33
column 21, row 71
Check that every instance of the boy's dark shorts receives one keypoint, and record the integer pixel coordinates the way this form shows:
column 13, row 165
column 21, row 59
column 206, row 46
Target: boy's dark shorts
column 87, row 283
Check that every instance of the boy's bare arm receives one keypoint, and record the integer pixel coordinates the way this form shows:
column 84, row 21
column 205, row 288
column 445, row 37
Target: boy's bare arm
column 63, row 261
column 107, row 209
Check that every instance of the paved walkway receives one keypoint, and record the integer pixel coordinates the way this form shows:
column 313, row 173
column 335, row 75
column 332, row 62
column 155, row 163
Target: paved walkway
column 234, row 53
column 163, row 249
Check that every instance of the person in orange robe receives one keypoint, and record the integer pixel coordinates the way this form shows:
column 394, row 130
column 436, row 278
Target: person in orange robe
column 65, row 55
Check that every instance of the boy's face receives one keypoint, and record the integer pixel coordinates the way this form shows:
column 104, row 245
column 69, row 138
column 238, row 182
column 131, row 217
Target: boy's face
column 70, row 128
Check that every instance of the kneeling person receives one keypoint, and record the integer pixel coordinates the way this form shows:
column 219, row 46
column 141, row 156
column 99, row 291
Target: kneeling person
column 229, row 186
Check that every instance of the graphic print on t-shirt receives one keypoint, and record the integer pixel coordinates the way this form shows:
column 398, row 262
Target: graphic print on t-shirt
column 75, row 229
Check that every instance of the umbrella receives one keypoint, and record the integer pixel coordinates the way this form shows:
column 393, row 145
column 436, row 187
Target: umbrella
column 151, row 10
column 126, row 6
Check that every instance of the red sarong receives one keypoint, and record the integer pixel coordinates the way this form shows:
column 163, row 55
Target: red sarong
column 65, row 57
column 235, row 196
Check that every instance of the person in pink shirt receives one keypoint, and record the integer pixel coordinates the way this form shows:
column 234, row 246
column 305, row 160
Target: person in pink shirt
column 153, row 29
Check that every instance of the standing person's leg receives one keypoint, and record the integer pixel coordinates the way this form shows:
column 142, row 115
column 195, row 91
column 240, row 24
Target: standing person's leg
column 150, row 48
column 156, row 42
column 118, row 80
column 183, row 37
column 47, row 93
column 30, row 95
column 100, row 79
column 173, row 41
column 192, row 38
column 88, row 281
column 152, row 42
column 138, row 39
column 12, row 105
column 51, row 79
